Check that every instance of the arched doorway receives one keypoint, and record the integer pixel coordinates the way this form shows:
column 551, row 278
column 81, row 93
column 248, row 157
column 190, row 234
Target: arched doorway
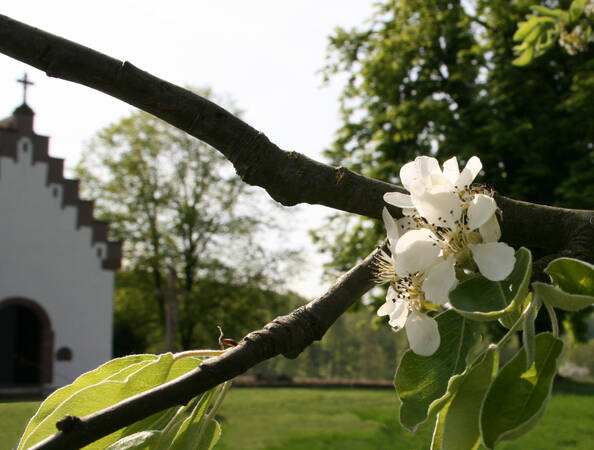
column 26, row 343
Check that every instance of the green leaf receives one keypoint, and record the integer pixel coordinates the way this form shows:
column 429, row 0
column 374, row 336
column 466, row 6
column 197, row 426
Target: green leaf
column 525, row 57
column 518, row 396
column 485, row 300
column 183, row 434
column 191, row 428
column 553, row 13
column 137, row 441
column 111, row 369
column 439, row 425
column 457, row 425
column 554, row 296
column 572, row 275
column 105, row 386
column 421, row 380
column 201, row 430
column 576, row 10
column 211, row 435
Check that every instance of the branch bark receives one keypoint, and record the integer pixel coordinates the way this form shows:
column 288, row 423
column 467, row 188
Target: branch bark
column 288, row 177
column 287, row 335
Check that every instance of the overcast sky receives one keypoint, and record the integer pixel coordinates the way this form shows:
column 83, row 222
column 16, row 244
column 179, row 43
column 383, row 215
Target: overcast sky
column 265, row 54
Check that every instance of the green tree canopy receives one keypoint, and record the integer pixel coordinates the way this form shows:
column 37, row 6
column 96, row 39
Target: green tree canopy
column 181, row 212
column 436, row 77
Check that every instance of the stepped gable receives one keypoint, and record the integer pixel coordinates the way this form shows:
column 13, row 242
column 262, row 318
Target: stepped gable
column 19, row 125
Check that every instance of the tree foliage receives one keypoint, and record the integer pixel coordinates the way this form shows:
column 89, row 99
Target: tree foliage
column 436, row 77
column 181, row 212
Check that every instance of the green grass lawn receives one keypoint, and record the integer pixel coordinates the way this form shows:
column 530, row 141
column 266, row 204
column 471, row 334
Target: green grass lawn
column 14, row 415
column 345, row 419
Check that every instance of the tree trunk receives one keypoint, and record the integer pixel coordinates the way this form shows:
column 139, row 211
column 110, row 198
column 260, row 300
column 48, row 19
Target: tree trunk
column 171, row 313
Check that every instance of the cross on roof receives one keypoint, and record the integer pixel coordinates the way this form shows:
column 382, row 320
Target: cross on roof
column 25, row 81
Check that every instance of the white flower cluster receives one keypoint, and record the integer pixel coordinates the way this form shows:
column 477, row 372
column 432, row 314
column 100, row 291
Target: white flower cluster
column 448, row 226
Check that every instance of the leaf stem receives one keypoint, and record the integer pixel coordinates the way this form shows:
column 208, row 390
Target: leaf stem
column 219, row 400
column 203, row 353
column 515, row 326
column 553, row 317
column 220, row 396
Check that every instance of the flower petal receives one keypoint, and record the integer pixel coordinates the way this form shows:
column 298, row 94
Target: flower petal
column 481, row 209
column 495, row 260
column 441, row 279
column 451, row 170
column 415, row 251
column 391, row 294
column 408, row 174
column 422, row 333
column 439, row 208
column 490, row 231
column 426, row 165
column 399, row 315
column 472, row 169
column 409, row 212
column 406, row 224
column 398, row 199
column 437, row 179
column 391, row 228
column 418, row 171
column 386, row 308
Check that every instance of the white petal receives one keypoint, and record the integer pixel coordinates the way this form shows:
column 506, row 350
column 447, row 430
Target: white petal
column 472, row 169
column 441, row 279
column 417, row 187
column 451, row 170
column 495, row 260
column 422, row 333
column 386, row 308
column 391, row 294
column 391, row 228
column 481, row 209
column 418, row 171
column 439, row 208
column 490, row 231
column 426, row 165
column 399, row 315
column 437, row 179
column 406, row 224
column 415, row 251
column 408, row 174
column 398, row 199
column 409, row 211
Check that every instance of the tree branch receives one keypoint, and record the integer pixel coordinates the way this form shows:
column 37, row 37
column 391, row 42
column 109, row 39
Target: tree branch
column 287, row 335
column 288, row 177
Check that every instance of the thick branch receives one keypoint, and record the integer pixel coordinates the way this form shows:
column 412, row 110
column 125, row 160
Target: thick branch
column 288, row 177
column 287, row 335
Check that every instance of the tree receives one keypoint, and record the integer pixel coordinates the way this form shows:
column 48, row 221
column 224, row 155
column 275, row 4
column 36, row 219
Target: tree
column 437, row 77
column 181, row 212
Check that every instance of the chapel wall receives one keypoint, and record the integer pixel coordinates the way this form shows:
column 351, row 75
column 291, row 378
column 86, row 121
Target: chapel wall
column 45, row 257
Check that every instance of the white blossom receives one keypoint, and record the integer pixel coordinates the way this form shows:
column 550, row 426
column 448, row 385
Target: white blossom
column 448, row 223
column 457, row 213
column 419, row 281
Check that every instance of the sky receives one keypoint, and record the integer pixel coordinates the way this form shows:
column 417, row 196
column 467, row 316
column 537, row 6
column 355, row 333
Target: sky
column 264, row 54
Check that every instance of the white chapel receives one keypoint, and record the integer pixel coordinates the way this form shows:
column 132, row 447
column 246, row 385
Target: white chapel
column 56, row 265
